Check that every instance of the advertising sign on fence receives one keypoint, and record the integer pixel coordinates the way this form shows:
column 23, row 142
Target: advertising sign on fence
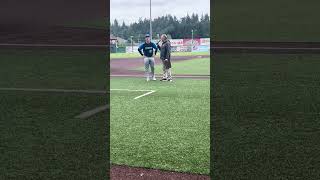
column 201, row 49
column 205, row 41
column 176, row 42
column 190, row 42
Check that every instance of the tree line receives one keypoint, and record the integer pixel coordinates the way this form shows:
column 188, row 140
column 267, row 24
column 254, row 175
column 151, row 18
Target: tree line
column 171, row 25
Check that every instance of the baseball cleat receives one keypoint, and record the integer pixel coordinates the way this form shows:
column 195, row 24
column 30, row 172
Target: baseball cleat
column 154, row 79
column 148, row 79
column 163, row 79
column 170, row 80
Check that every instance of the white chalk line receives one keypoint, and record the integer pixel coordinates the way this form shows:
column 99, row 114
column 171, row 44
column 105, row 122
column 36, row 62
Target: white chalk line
column 148, row 92
column 145, row 94
column 92, row 112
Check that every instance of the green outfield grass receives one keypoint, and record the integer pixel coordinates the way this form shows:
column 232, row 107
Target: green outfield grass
column 188, row 67
column 40, row 136
column 266, row 116
column 250, row 20
column 135, row 55
column 168, row 129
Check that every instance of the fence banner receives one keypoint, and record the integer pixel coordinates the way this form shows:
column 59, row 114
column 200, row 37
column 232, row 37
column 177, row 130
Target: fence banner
column 201, row 49
column 176, row 42
column 205, row 41
column 188, row 42
column 181, row 49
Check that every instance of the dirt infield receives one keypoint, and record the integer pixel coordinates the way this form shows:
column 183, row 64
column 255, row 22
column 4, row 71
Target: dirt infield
column 123, row 67
column 128, row 173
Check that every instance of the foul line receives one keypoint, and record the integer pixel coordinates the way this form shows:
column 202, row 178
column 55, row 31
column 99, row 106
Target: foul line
column 145, row 94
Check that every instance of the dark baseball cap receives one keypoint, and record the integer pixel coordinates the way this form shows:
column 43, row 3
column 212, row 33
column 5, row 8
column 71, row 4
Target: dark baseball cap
column 147, row 35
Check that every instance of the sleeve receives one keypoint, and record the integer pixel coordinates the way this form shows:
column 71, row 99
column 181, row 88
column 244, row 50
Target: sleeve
column 158, row 46
column 155, row 47
column 168, row 51
column 140, row 49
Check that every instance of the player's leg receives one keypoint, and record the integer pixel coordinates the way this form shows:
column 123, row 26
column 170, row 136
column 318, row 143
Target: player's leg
column 152, row 62
column 169, row 74
column 146, row 68
column 168, row 67
column 164, row 77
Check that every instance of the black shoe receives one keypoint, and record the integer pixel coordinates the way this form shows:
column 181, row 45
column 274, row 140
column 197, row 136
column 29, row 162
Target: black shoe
column 170, row 80
column 163, row 79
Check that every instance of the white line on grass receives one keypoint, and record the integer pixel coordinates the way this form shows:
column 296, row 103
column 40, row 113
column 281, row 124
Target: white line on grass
column 145, row 94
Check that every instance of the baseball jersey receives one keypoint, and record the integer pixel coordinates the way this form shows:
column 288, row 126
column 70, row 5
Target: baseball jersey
column 147, row 49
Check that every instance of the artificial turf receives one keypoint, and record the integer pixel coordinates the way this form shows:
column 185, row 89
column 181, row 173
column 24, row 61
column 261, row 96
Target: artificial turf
column 136, row 55
column 266, row 116
column 188, row 67
column 168, row 129
column 40, row 138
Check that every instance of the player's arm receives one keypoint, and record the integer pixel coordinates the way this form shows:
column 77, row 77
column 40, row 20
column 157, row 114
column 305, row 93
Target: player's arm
column 158, row 46
column 167, row 50
column 155, row 47
column 140, row 49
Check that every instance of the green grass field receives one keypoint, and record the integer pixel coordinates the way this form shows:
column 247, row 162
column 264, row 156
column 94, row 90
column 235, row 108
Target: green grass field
column 135, row 55
column 266, row 116
column 250, row 20
column 168, row 129
column 189, row 67
column 40, row 136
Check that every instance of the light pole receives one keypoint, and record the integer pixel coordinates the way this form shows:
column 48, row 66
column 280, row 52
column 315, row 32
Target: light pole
column 131, row 44
column 191, row 39
column 150, row 23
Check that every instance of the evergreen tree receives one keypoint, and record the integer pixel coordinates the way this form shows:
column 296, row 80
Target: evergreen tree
column 168, row 24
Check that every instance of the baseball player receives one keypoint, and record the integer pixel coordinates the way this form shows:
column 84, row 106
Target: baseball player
column 147, row 50
column 165, row 56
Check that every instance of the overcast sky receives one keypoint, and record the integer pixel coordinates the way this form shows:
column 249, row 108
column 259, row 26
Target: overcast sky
column 130, row 11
